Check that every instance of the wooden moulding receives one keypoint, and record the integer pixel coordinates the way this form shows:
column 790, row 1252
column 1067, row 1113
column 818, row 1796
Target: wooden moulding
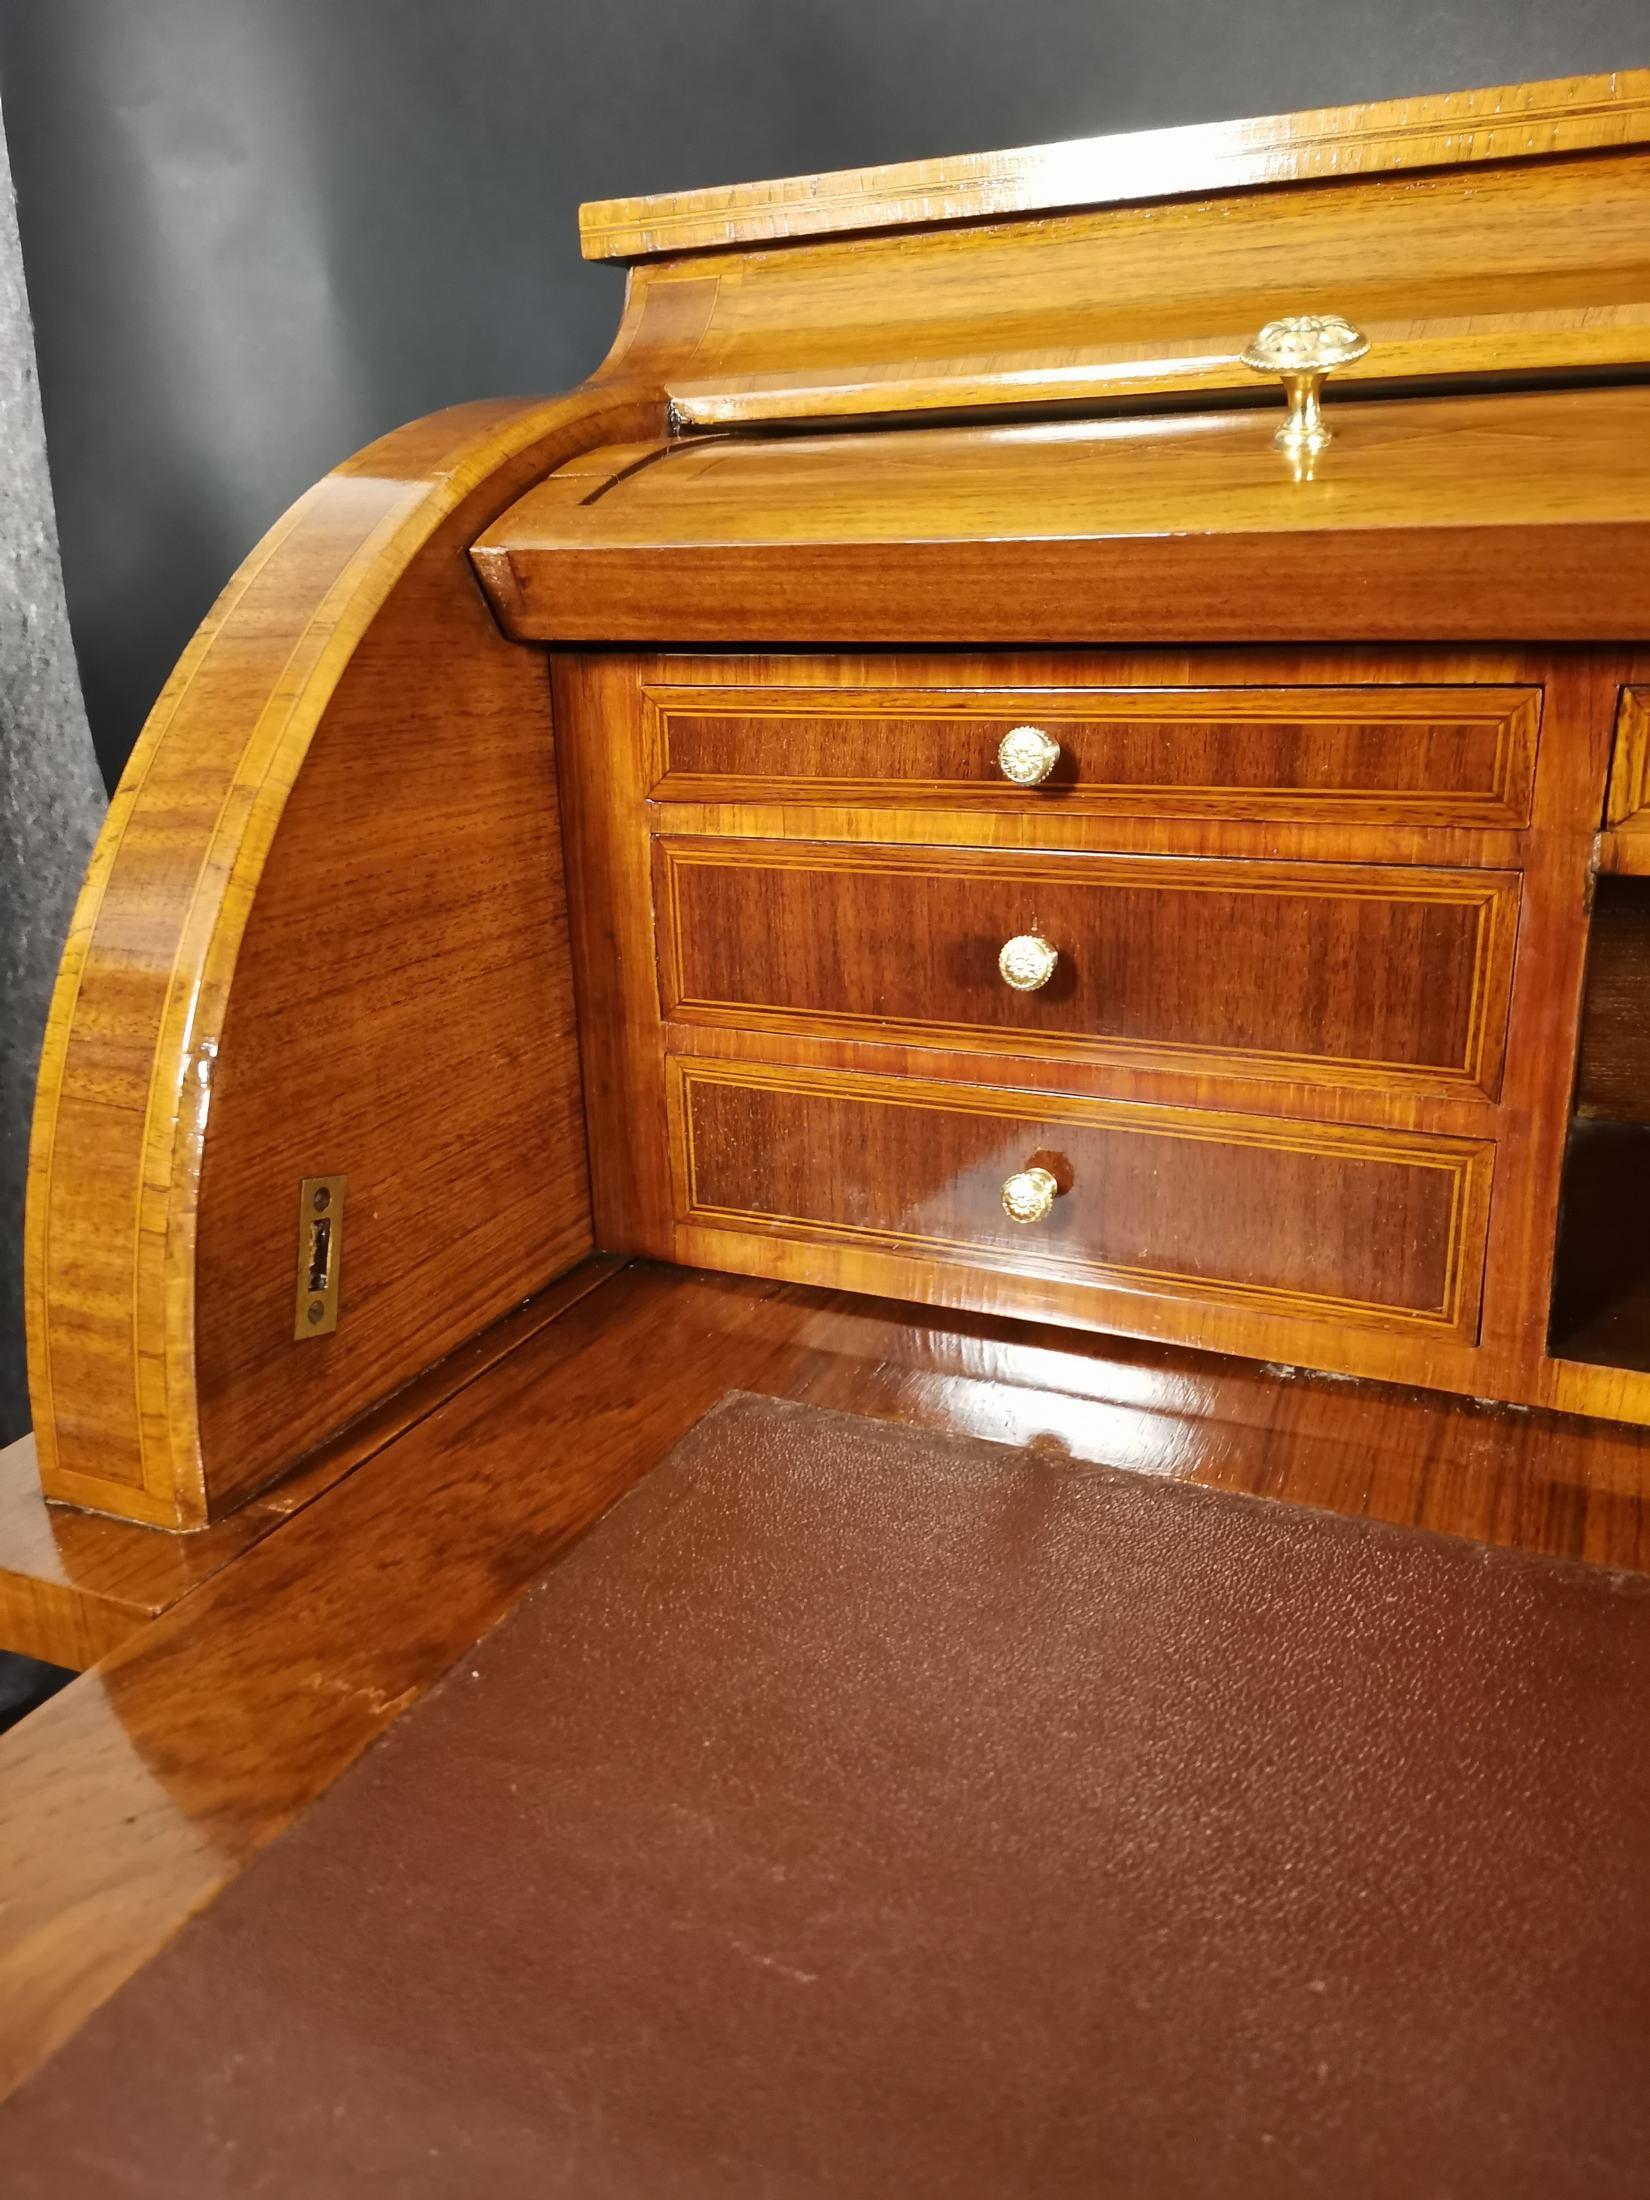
column 1438, row 130
column 1456, row 519
column 323, row 933
column 1480, row 234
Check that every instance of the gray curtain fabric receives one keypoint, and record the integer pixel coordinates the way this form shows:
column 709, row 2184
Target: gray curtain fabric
column 51, row 792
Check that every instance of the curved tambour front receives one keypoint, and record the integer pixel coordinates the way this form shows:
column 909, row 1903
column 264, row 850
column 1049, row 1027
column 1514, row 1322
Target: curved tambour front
column 323, row 935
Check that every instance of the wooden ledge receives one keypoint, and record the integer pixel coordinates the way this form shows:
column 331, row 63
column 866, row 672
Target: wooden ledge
column 1427, row 519
column 76, row 1586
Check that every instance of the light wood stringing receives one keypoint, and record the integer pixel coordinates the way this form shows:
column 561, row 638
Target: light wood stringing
column 1448, row 129
column 1183, row 963
column 1304, row 1222
column 1382, row 755
column 242, row 988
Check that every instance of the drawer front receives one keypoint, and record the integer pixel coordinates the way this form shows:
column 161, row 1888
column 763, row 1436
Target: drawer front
column 1445, row 756
column 1328, row 1221
column 1343, row 974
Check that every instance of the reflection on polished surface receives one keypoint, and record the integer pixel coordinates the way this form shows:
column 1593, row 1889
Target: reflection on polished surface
column 127, row 1801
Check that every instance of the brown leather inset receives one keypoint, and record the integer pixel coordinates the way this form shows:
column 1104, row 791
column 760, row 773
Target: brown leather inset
column 860, row 1812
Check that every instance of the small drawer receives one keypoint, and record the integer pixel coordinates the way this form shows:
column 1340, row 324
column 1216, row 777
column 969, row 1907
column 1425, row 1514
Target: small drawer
column 1368, row 755
column 1342, row 974
column 1322, row 1220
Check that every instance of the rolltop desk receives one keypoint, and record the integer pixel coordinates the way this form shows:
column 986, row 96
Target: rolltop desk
column 939, row 773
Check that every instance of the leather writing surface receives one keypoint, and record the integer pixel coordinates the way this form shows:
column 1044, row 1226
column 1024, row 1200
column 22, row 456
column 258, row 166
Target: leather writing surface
column 859, row 1811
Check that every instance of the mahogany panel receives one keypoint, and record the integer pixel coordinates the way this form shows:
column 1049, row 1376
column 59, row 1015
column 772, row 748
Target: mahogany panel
column 602, row 707
column 1379, row 755
column 1316, row 1220
column 1376, row 975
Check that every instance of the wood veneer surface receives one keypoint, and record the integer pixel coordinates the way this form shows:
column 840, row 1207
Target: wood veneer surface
column 1376, row 976
column 75, row 1585
column 1450, row 519
column 133, row 1798
column 865, row 1811
column 1448, row 129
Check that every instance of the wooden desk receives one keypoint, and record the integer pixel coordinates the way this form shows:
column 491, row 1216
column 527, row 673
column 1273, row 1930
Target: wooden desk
column 891, row 849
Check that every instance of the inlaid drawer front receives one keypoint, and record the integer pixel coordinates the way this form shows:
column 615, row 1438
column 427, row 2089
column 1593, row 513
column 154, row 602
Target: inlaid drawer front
column 1446, row 755
column 1348, row 974
column 1319, row 1220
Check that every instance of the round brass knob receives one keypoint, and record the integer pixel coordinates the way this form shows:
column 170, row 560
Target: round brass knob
column 1028, row 961
column 1028, row 1195
column 1302, row 350
column 1026, row 754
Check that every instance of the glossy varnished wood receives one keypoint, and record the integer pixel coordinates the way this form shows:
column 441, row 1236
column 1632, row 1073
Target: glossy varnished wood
column 1451, row 275
column 644, row 998
column 1624, row 845
column 76, row 1585
column 128, row 1801
column 1445, row 519
column 258, row 986
column 1377, row 754
column 1456, row 249
column 1447, row 129
column 342, row 824
column 1357, row 1226
column 1354, row 973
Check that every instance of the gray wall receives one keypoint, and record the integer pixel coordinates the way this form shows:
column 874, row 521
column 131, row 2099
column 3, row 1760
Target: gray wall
column 260, row 232
column 51, row 797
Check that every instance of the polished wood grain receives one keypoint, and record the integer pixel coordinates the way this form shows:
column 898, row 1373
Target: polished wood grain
column 1364, row 975
column 1451, row 519
column 326, row 931
column 1515, row 267
column 607, row 712
column 1624, row 846
column 340, row 818
column 1166, row 1203
column 130, row 1800
column 1504, row 123
column 1375, row 755
column 75, row 1585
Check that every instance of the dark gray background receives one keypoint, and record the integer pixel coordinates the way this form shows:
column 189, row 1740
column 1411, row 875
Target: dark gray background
column 257, row 233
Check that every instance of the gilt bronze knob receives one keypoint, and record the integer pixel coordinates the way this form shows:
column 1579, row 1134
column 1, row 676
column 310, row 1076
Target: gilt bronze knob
column 1303, row 349
column 1028, row 1195
column 1026, row 754
column 1028, row 961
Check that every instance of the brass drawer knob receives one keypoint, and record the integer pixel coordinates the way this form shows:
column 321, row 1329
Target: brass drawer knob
column 1303, row 349
column 1026, row 754
column 1028, row 961
column 1028, row 1195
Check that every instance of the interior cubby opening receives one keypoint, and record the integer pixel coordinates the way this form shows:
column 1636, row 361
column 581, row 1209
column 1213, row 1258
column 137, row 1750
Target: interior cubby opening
column 1601, row 1284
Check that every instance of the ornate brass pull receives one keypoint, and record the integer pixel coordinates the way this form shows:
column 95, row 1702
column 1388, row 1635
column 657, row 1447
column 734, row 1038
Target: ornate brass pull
column 1028, row 961
column 1029, row 1194
column 1303, row 349
column 1026, row 754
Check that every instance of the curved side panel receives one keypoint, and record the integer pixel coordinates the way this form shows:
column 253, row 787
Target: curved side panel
column 324, row 924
